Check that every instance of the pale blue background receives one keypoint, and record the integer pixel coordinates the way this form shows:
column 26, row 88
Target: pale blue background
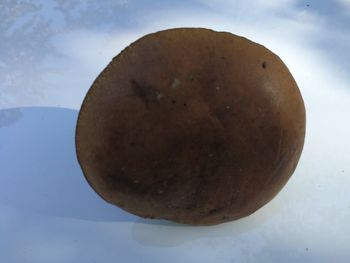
column 51, row 51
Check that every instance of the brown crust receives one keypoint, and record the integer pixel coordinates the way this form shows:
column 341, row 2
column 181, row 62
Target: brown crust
column 191, row 125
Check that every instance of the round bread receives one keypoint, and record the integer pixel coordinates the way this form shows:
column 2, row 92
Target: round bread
column 191, row 125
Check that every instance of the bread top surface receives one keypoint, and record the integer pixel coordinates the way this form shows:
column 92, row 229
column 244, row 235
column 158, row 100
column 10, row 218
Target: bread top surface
column 191, row 125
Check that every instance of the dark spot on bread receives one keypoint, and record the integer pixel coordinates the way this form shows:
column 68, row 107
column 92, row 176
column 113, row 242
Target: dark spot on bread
column 215, row 210
column 146, row 93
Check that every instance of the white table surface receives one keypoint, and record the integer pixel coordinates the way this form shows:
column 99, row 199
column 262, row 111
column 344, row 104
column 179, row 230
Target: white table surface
column 51, row 51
